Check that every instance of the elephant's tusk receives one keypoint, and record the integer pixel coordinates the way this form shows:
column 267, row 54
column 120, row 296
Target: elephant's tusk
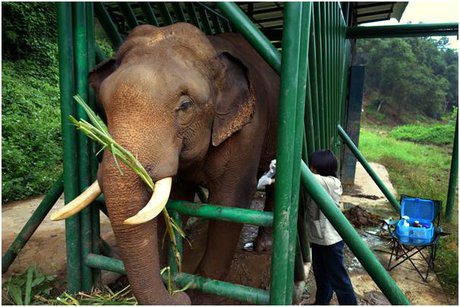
column 79, row 203
column 156, row 203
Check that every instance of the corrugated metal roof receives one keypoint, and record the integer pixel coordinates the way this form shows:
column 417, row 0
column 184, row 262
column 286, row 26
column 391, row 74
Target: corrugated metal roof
column 364, row 12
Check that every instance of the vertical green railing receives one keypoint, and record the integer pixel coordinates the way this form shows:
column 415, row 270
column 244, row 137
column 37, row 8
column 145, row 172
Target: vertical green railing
column 66, row 80
column 453, row 177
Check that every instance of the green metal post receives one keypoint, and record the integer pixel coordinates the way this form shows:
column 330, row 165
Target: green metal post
column 257, row 39
column 32, row 224
column 346, row 139
column 81, row 73
column 286, row 198
column 305, row 13
column 107, row 24
column 128, row 13
column 66, row 84
column 313, row 80
column 453, row 178
column 95, row 213
column 365, row 256
column 320, row 74
column 327, row 76
column 148, row 13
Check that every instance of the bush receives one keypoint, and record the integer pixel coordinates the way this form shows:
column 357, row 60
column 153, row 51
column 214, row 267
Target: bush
column 438, row 134
column 31, row 138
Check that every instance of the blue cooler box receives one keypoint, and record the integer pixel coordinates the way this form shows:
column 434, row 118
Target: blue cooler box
column 416, row 209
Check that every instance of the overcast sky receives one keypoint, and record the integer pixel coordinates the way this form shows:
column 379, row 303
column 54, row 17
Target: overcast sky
column 440, row 11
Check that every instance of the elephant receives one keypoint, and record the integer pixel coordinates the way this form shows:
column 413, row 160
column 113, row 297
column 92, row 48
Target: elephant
column 195, row 110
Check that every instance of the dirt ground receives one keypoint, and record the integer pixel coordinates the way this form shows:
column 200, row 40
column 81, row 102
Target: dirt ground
column 46, row 249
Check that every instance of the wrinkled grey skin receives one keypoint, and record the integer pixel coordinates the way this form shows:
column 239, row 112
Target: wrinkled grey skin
column 201, row 109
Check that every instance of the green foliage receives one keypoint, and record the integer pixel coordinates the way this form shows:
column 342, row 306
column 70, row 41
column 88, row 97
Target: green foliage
column 29, row 31
column 434, row 134
column 28, row 288
column 409, row 76
column 31, row 139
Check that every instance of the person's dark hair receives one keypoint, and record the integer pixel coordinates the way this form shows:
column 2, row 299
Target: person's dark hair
column 324, row 162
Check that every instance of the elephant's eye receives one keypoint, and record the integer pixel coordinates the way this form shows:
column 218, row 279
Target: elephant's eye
column 185, row 104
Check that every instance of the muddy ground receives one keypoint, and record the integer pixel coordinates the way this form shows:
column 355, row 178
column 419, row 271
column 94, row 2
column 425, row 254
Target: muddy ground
column 46, row 249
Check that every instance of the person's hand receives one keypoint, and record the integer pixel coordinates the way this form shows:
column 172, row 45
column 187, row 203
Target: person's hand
column 263, row 181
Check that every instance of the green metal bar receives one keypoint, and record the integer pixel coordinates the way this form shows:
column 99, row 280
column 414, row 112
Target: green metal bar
column 81, row 73
column 107, row 24
column 167, row 19
column 66, row 85
column 246, row 294
column 32, row 224
column 313, row 68
column 192, row 13
column 453, row 178
column 95, row 218
column 205, row 25
column 229, row 290
column 320, row 73
column 327, row 76
column 257, row 39
column 284, row 189
column 346, row 139
column 351, row 237
column 105, row 263
column 179, row 12
column 336, row 75
column 408, row 30
column 128, row 13
column 149, row 14
column 238, row 215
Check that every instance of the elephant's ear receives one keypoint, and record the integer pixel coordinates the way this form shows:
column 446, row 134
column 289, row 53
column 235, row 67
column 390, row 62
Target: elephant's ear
column 100, row 72
column 235, row 103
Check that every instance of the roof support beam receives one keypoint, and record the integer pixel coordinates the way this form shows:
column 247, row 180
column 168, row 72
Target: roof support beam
column 408, row 30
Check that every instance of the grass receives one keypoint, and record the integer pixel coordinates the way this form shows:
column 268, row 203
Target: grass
column 28, row 288
column 421, row 170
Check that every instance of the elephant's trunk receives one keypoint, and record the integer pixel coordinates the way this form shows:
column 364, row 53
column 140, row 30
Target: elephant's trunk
column 125, row 196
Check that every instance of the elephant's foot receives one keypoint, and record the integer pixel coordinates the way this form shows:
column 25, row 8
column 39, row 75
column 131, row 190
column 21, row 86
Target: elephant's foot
column 264, row 240
column 181, row 298
column 201, row 298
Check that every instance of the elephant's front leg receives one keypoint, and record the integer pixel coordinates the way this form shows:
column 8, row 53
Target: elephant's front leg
column 223, row 236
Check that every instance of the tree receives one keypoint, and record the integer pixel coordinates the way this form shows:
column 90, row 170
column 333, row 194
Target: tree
column 409, row 76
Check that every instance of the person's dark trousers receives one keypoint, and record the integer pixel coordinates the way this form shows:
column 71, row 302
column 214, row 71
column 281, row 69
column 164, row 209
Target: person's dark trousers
column 330, row 275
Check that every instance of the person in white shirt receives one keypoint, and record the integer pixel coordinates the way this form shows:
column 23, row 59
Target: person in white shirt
column 327, row 245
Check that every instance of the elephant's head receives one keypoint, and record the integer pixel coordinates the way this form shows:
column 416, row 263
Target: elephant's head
column 168, row 97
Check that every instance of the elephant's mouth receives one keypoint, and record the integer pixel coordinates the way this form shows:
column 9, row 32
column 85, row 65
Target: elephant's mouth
column 155, row 205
